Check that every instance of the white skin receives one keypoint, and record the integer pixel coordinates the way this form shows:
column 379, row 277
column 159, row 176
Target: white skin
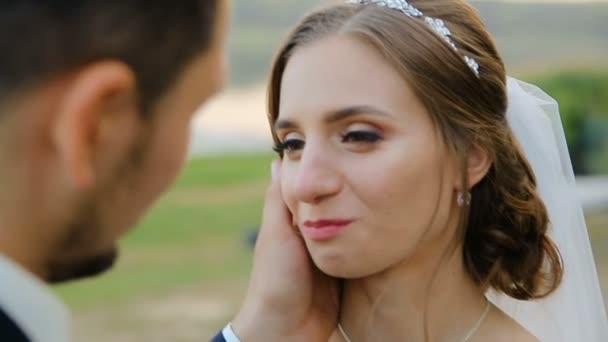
column 75, row 139
column 71, row 141
column 361, row 146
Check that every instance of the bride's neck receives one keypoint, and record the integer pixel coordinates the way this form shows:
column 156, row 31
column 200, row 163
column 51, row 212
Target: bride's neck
column 401, row 303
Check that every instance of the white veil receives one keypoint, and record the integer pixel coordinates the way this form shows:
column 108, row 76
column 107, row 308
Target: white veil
column 575, row 312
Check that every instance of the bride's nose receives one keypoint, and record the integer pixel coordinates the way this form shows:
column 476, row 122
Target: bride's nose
column 318, row 175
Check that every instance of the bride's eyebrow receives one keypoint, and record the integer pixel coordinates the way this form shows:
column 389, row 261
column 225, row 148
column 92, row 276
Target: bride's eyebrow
column 349, row 112
column 335, row 116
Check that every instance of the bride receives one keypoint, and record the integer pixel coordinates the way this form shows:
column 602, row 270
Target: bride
column 438, row 188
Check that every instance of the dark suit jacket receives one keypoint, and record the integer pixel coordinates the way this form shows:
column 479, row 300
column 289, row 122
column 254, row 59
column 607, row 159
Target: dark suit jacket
column 218, row 338
column 9, row 331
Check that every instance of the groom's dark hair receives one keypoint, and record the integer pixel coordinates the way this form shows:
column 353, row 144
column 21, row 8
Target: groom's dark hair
column 40, row 39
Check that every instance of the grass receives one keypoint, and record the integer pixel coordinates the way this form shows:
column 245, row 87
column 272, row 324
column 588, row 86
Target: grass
column 188, row 255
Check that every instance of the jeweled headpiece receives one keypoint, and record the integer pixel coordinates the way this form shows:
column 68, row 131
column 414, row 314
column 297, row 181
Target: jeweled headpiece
column 435, row 24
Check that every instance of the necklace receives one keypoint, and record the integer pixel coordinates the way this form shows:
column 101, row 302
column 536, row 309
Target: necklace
column 465, row 339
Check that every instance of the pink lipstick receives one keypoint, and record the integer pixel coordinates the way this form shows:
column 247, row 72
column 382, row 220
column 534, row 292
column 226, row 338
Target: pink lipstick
column 322, row 230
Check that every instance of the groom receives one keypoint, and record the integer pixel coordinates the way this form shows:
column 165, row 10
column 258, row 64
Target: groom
column 96, row 97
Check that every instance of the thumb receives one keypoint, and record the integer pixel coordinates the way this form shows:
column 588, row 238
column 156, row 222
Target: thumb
column 276, row 221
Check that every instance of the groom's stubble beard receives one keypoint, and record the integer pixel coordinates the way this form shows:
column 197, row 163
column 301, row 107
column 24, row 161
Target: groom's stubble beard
column 77, row 257
column 80, row 252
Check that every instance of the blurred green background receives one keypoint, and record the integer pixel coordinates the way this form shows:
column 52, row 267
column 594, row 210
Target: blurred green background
column 184, row 270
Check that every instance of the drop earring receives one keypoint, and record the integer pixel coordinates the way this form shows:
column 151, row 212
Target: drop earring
column 463, row 199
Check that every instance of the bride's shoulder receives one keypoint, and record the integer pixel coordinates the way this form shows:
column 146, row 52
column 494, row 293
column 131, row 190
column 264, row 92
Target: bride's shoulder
column 500, row 327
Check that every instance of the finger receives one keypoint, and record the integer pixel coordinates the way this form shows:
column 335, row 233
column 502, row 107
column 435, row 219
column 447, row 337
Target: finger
column 276, row 220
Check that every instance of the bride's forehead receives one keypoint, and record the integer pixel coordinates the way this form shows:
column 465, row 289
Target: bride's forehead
column 340, row 72
column 343, row 55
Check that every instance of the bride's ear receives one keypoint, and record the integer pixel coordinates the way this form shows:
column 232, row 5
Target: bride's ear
column 478, row 164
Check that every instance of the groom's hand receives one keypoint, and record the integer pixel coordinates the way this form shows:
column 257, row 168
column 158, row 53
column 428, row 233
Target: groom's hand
column 288, row 298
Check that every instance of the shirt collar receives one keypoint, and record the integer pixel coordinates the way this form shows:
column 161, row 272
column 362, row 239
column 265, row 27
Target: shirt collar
column 31, row 304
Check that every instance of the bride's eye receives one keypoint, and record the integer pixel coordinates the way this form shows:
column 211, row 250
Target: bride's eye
column 361, row 137
column 292, row 145
column 289, row 147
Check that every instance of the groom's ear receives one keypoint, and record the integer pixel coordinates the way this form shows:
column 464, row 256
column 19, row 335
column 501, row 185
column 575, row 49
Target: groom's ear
column 478, row 164
column 95, row 122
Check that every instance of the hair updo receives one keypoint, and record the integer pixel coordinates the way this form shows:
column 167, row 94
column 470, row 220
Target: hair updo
column 505, row 242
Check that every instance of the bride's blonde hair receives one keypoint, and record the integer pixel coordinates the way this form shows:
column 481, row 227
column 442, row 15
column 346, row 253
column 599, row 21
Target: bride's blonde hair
column 505, row 242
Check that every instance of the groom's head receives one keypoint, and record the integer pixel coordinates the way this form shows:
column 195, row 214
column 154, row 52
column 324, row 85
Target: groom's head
column 96, row 98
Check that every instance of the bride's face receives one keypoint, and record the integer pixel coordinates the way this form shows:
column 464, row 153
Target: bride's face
column 366, row 175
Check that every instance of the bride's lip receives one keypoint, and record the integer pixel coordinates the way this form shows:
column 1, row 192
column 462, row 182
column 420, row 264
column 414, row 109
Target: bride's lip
column 324, row 229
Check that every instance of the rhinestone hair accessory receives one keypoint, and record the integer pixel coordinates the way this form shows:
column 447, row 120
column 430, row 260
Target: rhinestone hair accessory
column 435, row 24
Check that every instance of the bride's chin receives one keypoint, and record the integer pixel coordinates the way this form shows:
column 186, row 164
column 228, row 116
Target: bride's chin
column 330, row 266
column 338, row 268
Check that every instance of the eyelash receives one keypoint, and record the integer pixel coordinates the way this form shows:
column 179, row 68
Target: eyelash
column 361, row 137
column 358, row 137
column 288, row 145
